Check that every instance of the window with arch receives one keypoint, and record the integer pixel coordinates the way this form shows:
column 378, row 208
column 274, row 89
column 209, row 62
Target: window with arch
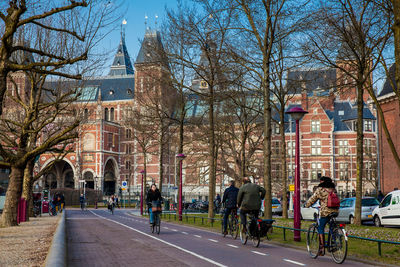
column 112, row 114
column 106, row 115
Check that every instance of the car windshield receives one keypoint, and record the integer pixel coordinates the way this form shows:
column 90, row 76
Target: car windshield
column 275, row 201
column 366, row 202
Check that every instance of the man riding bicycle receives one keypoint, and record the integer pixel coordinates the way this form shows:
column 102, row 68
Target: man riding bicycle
column 322, row 192
column 249, row 200
column 230, row 201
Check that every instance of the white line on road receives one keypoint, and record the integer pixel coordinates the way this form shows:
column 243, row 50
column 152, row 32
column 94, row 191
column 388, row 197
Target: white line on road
column 174, row 230
column 166, row 228
column 294, row 262
column 232, row 246
column 259, row 253
column 199, row 236
column 184, row 233
column 165, row 242
column 213, row 240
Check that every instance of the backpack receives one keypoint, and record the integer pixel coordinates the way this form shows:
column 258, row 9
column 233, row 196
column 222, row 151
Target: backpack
column 333, row 200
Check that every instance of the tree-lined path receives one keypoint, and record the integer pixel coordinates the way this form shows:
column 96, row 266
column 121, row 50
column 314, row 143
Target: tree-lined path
column 97, row 238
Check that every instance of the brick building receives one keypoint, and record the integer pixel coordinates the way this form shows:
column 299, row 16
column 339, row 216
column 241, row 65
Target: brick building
column 389, row 171
column 106, row 152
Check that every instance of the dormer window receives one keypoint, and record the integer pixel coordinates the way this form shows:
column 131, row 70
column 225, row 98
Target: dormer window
column 341, row 113
column 111, row 92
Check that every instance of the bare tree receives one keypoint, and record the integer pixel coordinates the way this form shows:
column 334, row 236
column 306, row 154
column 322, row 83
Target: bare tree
column 359, row 29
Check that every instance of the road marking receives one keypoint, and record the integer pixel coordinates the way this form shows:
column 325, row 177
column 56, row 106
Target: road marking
column 174, row 230
column 166, row 228
column 213, row 240
column 259, row 253
column 294, row 262
column 184, row 233
column 199, row 236
column 232, row 246
column 163, row 241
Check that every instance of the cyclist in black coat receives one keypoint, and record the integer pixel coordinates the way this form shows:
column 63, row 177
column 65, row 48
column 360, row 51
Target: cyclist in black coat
column 230, row 201
column 153, row 195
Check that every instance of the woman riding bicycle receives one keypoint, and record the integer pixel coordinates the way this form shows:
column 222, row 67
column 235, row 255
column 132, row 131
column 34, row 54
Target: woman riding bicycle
column 322, row 192
column 153, row 195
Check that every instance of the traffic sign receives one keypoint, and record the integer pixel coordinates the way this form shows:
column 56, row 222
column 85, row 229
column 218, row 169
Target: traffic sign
column 124, row 185
column 291, row 187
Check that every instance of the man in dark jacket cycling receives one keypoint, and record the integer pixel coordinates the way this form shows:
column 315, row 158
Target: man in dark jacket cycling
column 249, row 200
column 230, row 201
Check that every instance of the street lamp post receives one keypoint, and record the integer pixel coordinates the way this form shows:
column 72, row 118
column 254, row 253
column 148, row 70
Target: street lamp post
column 180, row 157
column 97, row 191
column 141, row 194
column 297, row 114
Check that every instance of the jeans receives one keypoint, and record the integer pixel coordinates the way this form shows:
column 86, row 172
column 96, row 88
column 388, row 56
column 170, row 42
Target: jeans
column 243, row 216
column 321, row 224
column 151, row 215
column 226, row 215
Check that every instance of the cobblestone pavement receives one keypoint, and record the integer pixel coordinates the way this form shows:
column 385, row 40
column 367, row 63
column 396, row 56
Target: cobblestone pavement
column 98, row 238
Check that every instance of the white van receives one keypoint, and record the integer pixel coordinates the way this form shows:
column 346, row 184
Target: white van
column 388, row 211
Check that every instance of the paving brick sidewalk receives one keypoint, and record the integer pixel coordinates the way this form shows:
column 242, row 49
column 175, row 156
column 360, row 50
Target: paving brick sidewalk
column 93, row 241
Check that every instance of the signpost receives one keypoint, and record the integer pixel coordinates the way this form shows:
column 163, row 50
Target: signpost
column 124, row 187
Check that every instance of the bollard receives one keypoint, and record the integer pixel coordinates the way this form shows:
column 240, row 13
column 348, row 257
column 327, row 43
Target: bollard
column 202, row 220
column 284, row 234
column 194, row 219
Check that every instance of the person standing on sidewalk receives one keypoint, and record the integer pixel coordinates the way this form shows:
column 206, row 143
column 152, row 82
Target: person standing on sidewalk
column 229, row 199
column 249, row 200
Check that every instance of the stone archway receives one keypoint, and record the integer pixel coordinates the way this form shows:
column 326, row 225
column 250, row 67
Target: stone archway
column 109, row 178
column 61, row 175
column 88, row 177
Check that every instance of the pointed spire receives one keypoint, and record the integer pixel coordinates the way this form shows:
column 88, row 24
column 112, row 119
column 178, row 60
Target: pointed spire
column 122, row 64
column 151, row 50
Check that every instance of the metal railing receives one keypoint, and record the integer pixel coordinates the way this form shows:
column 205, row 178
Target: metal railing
column 186, row 218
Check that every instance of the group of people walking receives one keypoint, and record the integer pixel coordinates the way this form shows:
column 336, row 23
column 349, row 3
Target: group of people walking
column 250, row 195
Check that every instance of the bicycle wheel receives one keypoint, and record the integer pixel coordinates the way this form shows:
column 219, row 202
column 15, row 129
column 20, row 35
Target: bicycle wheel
column 313, row 241
column 338, row 245
column 234, row 228
column 158, row 223
column 255, row 239
column 222, row 228
column 243, row 235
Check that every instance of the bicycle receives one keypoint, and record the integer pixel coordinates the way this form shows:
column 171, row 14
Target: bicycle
column 156, row 210
column 155, row 226
column 52, row 210
column 111, row 208
column 252, row 231
column 337, row 240
column 233, row 225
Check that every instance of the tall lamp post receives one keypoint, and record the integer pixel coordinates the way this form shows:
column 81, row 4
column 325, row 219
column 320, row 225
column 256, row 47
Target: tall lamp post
column 297, row 114
column 180, row 157
column 141, row 194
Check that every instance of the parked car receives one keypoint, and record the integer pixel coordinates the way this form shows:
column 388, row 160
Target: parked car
column 388, row 211
column 310, row 213
column 276, row 207
column 347, row 208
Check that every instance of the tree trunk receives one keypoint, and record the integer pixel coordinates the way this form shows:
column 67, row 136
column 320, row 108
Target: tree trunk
column 27, row 187
column 243, row 156
column 9, row 216
column 283, row 163
column 144, row 177
column 161, row 156
column 267, row 142
column 211, row 147
column 180, row 147
column 360, row 151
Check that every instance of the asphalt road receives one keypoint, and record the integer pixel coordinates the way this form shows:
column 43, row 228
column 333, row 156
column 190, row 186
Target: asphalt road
column 98, row 238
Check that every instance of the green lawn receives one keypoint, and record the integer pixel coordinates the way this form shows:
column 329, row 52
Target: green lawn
column 362, row 249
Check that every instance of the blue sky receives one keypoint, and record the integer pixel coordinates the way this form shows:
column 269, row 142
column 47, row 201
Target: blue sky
column 135, row 27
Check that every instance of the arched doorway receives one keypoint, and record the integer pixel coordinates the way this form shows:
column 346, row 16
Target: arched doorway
column 59, row 176
column 109, row 178
column 88, row 177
